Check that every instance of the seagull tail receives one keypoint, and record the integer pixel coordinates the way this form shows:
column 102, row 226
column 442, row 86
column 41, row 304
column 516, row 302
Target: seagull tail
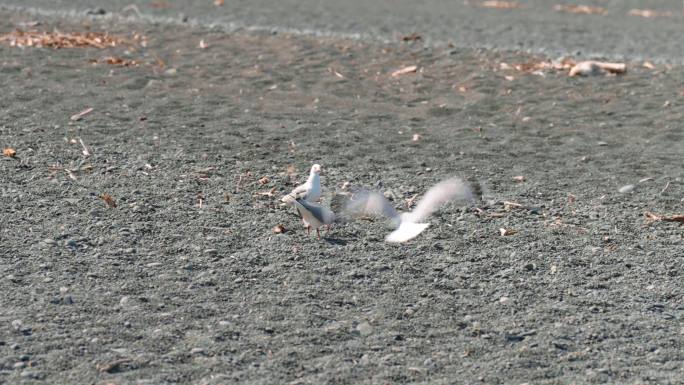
column 406, row 232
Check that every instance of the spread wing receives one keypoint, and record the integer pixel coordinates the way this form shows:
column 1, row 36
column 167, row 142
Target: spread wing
column 439, row 194
column 370, row 203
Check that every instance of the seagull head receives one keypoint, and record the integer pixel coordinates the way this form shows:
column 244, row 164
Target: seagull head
column 316, row 169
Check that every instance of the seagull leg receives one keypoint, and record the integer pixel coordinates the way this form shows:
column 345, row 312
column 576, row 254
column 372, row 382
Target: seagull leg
column 318, row 233
column 308, row 230
column 327, row 229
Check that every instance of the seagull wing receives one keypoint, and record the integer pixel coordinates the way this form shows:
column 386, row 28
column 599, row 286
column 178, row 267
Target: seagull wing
column 370, row 203
column 442, row 192
column 321, row 213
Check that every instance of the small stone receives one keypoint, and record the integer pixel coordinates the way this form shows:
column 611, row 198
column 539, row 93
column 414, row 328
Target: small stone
column 19, row 365
column 504, row 299
column 171, row 71
column 127, row 324
column 49, row 241
column 17, row 324
column 211, row 252
column 626, row 189
column 364, row 328
column 197, row 351
column 125, row 300
column 409, row 312
column 63, row 289
column 154, row 264
column 30, row 374
column 129, row 250
column 96, row 11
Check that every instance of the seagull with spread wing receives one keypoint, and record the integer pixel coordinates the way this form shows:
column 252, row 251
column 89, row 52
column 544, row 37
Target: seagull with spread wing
column 410, row 224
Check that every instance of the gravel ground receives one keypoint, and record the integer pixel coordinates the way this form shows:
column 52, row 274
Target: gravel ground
column 184, row 280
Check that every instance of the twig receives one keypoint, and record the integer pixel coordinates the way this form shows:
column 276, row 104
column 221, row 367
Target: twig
column 665, row 188
column 85, row 149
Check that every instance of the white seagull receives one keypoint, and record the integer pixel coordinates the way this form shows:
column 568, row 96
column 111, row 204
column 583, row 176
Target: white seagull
column 312, row 214
column 410, row 224
column 310, row 191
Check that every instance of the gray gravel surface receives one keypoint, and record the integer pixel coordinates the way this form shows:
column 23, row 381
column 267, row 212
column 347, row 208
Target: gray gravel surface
column 535, row 26
column 185, row 281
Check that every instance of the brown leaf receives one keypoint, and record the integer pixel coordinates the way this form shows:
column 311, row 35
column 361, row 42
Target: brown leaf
column 279, row 229
column 61, row 39
column 80, row 115
column 649, row 65
column 412, row 37
column 263, row 180
column 9, row 152
column 112, row 60
column 500, row 4
column 404, row 70
column 583, row 9
column 159, row 5
column 108, row 200
column 652, row 217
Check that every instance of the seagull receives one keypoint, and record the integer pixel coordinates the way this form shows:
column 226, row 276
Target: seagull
column 410, row 224
column 312, row 214
column 310, row 191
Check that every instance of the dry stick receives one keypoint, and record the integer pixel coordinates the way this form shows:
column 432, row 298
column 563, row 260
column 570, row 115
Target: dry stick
column 666, row 186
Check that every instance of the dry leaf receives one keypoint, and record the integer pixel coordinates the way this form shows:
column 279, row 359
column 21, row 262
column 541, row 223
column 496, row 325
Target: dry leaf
column 218, row 3
column 586, row 68
column 60, row 39
column 412, row 37
column 404, row 70
column 108, row 200
column 159, row 5
column 500, row 4
column 202, row 44
column 509, row 78
column 512, row 205
column 584, row 9
column 80, row 115
column 649, row 65
column 269, row 193
column 120, row 62
column 651, row 217
column 279, row 229
column 519, row 178
column 9, row 152
column 263, row 180
column 507, row 232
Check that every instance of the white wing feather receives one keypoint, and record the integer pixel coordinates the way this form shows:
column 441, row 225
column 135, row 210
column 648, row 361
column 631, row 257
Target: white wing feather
column 442, row 192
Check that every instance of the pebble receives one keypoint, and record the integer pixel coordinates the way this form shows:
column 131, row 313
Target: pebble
column 210, row 251
column 197, row 351
column 17, row 324
column 364, row 328
column 626, row 189
column 124, row 300
column 19, row 365
column 30, row 374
